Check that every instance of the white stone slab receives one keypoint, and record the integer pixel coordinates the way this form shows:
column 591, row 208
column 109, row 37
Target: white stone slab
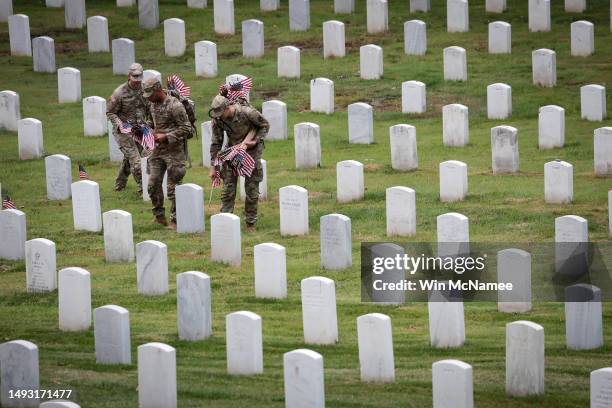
column 19, row 35
column 224, row 17
column 74, row 13
column 189, row 209
column 68, row 85
column 360, row 123
column 455, row 64
column 602, row 150
column 377, row 16
column 583, row 320
column 193, row 306
column 514, row 267
column 551, row 127
column 322, row 95
column 19, row 371
column 453, row 234
column 43, row 54
column 196, row 4
column 403, row 145
column 59, row 404
column 145, row 180
column 415, row 37
column 112, row 335
column 206, row 134
column 335, row 239
column 152, row 268
column 293, row 207
column 270, row 265
column 401, row 211
column 299, row 15
column 148, row 14
column 263, row 184
column 307, row 145
column 243, row 336
column 12, row 234
column 349, row 181
column 333, row 39
column 30, row 138
column 114, row 154
column 375, row 341
column 6, row 10
column 124, row 55
column 524, row 359
column 225, row 239
column 276, row 114
column 206, row 59
column 174, row 37
column 414, row 99
column 453, row 181
column 575, row 6
column 571, row 245
column 558, row 182
column 54, row 3
column 495, row 6
column 269, row 5
column 94, row 116
column 371, row 61
column 41, row 265
column 126, row 3
column 457, row 16
column 455, row 125
column 539, row 15
column 344, row 6
column 288, row 62
column 319, row 310
column 252, row 39
column 544, row 67
column 452, row 384
column 156, row 376
column 500, row 38
column 610, row 213
column 593, row 102
column 10, row 112
column 304, row 379
column 601, row 383
column 446, row 317
column 74, row 297
column 504, row 149
column 118, row 236
column 582, row 38
column 86, row 206
column 499, row 101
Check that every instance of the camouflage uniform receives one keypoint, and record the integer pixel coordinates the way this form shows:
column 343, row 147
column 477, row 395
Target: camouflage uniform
column 245, row 118
column 127, row 105
column 168, row 117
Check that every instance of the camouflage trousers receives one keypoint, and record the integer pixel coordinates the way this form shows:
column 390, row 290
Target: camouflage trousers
column 131, row 161
column 251, row 189
column 156, row 167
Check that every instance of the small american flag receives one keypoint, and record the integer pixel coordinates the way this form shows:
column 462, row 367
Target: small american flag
column 175, row 83
column 82, row 173
column 125, row 128
column 241, row 162
column 148, row 140
column 236, row 90
column 8, row 204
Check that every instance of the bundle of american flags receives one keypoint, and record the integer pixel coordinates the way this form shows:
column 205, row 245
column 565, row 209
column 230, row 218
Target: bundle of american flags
column 8, row 204
column 242, row 163
column 82, row 173
column 175, row 83
column 142, row 134
column 236, row 90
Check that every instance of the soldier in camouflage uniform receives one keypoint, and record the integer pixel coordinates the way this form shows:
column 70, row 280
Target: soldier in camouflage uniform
column 237, row 120
column 127, row 104
column 172, row 128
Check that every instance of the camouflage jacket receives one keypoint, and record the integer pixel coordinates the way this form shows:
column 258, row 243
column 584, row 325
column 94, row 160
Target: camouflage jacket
column 169, row 117
column 245, row 118
column 127, row 105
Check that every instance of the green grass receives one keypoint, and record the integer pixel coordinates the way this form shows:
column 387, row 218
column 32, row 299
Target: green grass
column 501, row 208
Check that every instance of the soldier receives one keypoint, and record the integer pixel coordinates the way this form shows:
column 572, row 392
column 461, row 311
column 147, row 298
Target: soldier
column 171, row 129
column 238, row 120
column 127, row 104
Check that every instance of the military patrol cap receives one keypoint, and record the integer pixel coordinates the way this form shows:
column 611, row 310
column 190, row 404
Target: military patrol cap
column 150, row 86
column 136, row 72
column 218, row 105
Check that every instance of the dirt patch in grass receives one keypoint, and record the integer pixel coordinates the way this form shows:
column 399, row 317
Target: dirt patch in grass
column 373, row 166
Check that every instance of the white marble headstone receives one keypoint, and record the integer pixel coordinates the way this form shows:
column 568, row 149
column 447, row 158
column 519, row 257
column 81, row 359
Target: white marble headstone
column 206, row 59
column 224, row 17
column 276, row 114
column 43, row 54
column 414, row 97
column 68, row 85
column 299, row 15
column 457, row 16
column 124, row 55
column 270, row 265
column 193, row 306
column 74, row 297
column 371, row 61
column 583, row 317
column 495, row 6
column 602, row 149
column 74, row 13
column 423, row 6
column 307, row 145
column 59, row 404
column 293, row 206
column 252, row 38
column 333, row 39
column 544, row 67
column 10, row 112
column 12, row 234
column 197, row 4
column 86, row 206
column 601, row 387
column 539, row 15
column 415, row 37
column 349, row 181
column 453, row 234
column 453, row 181
column 94, row 116
column 524, row 359
column 148, row 14
column 263, row 184
column 375, row 340
column 446, row 318
column 288, row 62
column 156, row 376
column 455, row 125
column 402, row 140
column 514, row 266
column 344, row 6
column 206, row 134
column 452, row 384
column 377, row 18
column 499, row 101
column 6, row 10
column 575, row 6
column 336, row 245
column 189, row 209
column 30, row 138
column 455, row 64
column 225, row 239
column 112, row 335
column 19, row 35
column 504, row 149
column 322, row 95
column 500, row 38
column 304, row 379
column 582, row 38
column 558, row 182
column 401, row 211
column 152, row 268
column 319, row 310
column 41, row 265
column 118, row 236
column 360, row 123
column 593, row 102
column 174, row 37
column 269, row 5
column 551, row 127
column 19, row 371
column 243, row 336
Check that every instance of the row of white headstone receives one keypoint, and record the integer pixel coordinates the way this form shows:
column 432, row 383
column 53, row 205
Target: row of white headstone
column 452, row 381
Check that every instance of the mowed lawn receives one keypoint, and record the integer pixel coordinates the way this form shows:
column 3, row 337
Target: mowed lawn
column 508, row 208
